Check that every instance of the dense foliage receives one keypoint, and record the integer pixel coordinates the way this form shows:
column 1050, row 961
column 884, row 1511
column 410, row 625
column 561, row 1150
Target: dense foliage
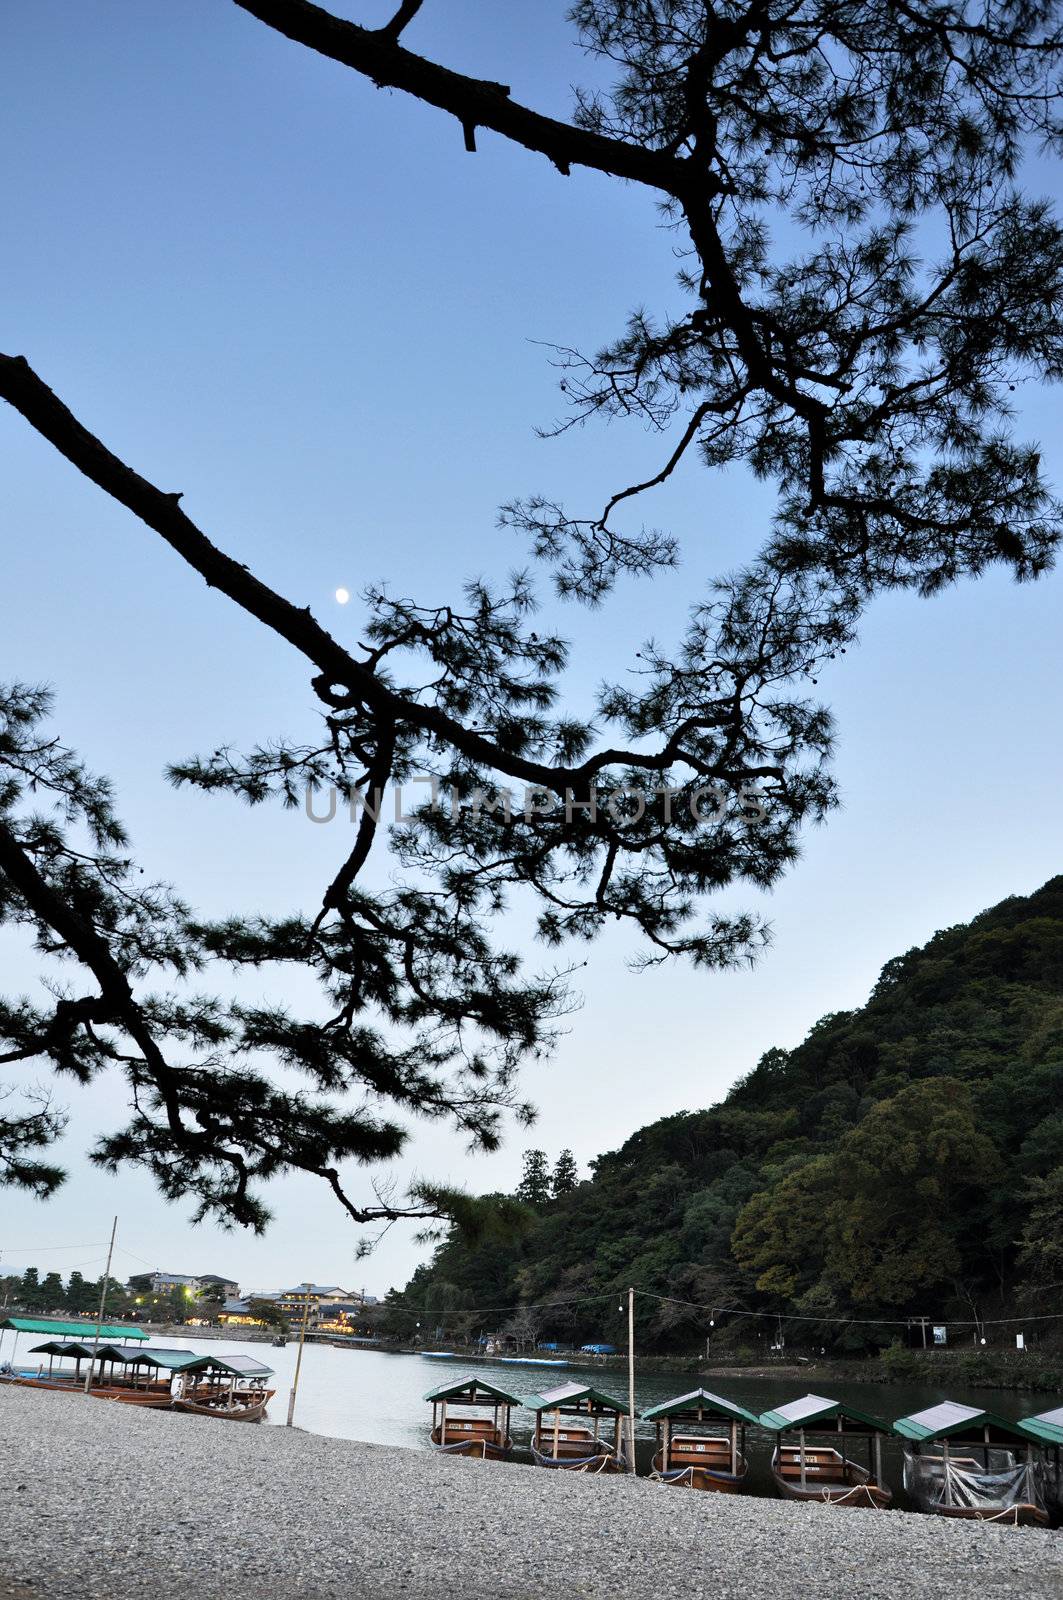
column 906, row 1159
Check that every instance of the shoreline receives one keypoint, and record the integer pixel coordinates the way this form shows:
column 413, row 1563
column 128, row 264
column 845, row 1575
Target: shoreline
column 975, row 1371
column 115, row 1503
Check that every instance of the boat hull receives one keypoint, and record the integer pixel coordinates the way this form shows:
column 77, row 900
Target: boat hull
column 156, row 1396
column 828, row 1480
column 253, row 1411
column 477, row 1449
column 713, row 1479
column 926, row 1477
column 128, row 1397
column 1021, row 1516
column 599, row 1459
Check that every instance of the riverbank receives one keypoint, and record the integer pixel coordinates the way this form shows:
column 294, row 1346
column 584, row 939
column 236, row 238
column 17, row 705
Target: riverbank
column 111, row 1503
column 1023, row 1372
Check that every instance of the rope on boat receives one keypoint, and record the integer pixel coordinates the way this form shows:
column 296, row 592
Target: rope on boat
column 596, row 1463
column 1008, row 1514
column 852, row 1497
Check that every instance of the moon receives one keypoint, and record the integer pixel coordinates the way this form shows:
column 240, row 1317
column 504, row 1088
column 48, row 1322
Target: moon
column 342, row 596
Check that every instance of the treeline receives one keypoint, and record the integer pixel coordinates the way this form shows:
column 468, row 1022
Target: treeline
column 48, row 1295
column 904, row 1161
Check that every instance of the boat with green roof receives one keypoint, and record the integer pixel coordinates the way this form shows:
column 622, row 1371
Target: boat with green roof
column 457, row 1433
column 700, row 1460
column 823, row 1471
column 577, row 1446
column 960, row 1461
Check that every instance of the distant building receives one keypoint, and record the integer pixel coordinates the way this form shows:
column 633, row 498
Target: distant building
column 315, row 1296
column 237, row 1314
column 167, row 1282
column 228, row 1286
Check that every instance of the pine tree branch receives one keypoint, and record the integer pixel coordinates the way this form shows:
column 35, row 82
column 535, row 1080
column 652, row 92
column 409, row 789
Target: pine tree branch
column 475, row 102
column 344, row 683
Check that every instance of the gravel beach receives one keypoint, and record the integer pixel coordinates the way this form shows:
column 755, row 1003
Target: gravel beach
column 100, row 1499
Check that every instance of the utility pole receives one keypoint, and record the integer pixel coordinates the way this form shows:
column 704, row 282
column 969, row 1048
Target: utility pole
column 298, row 1359
column 631, row 1379
column 103, row 1303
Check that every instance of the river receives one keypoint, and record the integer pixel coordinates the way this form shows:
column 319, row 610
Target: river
column 378, row 1396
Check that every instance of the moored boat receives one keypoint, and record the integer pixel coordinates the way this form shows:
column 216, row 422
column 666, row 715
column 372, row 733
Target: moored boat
column 229, row 1389
column 1046, row 1429
column 241, row 1407
column 700, row 1460
column 80, row 1341
column 485, row 1437
column 575, row 1446
column 823, row 1471
column 135, row 1374
column 962, row 1462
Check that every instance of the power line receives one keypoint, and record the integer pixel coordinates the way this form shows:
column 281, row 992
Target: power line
column 41, row 1249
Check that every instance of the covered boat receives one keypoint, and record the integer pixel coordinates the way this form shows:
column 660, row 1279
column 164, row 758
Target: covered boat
column 487, row 1437
column 230, row 1388
column 577, row 1446
column 62, row 1335
column 823, row 1471
column 700, row 1460
column 963, row 1462
column 133, row 1373
column 1047, row 1430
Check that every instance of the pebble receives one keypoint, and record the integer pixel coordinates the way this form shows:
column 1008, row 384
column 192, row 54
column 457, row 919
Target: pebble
column 121, row 1504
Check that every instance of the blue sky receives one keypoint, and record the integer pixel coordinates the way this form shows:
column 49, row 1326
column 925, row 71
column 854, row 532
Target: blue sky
column 297, row 300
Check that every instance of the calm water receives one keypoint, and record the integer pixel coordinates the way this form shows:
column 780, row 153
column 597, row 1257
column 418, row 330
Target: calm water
column 378, row 1397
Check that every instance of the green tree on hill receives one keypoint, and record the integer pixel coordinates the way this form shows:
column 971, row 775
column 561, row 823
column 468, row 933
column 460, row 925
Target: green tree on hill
column 534, row 1186
column 565, row 1175
column 881, row 1166
column 886, row 1216
column 1041, row 1244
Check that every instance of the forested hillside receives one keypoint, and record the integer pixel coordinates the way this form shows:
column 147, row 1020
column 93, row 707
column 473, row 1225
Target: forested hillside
column 906, row 1158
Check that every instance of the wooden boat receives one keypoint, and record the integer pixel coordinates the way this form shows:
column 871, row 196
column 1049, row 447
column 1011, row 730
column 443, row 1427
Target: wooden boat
column 1046, row 1430
column 133, row 1373
column 487, row 1438
column 711, row 1461
column 823, row 1472
column 243, row 1406
column 576, row 1447
column 995, row 1477
column 66, row 1383
column 229, row 1389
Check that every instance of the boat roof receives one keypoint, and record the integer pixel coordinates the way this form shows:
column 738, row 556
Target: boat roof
column 812, row 1409
column 110, row 1350
column 70, row 1330
column 571, row 1396
column 1046, row 1426
column 237, row 1366
column 474, row 1390
column 169, row 1360
column 700, row 1404
column 948, row 1419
